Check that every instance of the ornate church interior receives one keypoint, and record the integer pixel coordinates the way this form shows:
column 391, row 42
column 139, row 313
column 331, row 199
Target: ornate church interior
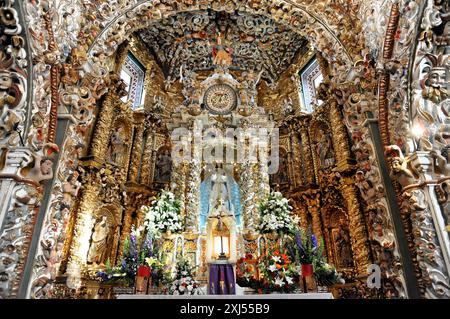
column 224, row 147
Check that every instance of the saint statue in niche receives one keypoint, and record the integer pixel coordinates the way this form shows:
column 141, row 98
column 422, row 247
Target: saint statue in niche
column 324, row 149
column 117, row 146
column 343, row 247
column 281, row 176
column 99, row 242
column 163, row 167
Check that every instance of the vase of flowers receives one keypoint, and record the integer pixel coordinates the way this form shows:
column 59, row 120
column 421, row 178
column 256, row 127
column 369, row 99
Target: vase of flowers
column 164, row 215
column 276, row 216
column 308, row 251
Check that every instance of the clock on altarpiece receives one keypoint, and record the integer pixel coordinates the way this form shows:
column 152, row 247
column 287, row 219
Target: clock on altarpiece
column 220, row 99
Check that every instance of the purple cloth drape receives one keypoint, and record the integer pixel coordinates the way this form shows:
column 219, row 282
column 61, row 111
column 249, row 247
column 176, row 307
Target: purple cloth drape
column 221, row 280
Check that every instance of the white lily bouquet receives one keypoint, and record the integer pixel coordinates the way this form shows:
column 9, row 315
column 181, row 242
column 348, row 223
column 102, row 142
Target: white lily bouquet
column 276, row 215
column 163, row 215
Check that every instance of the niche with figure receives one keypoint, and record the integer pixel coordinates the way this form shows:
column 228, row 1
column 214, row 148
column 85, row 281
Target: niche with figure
column 119, row 142
column 163, row 165
column 338, row 230
column 104, row 236
column 323, row 145
column 281, row 177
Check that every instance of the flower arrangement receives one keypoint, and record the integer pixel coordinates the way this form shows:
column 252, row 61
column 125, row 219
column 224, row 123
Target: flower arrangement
column 278, row 273
column 163, row 215
column 185, row 286
column 136, row 252
column 184, row 283
column 276, row 215
column 111, row 274
column 126, row 271
column 326, row 274
column 309, row 252
column 307, row 248
column 247, row 272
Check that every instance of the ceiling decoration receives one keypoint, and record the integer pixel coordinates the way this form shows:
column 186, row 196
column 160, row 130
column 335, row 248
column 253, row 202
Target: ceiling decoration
column 187, row 40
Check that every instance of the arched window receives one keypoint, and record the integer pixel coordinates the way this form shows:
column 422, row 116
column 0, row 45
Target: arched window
column 310, row 78
column 133, row 74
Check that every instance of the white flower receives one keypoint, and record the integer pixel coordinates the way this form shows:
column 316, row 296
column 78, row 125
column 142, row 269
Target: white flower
column 279, row 282
column 289, row 280
column 276, row 259
column 272, row 268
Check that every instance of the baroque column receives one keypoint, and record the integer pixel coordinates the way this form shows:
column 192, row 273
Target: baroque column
column 136, row 154
column 127, row 222
column 264, row 187
column 194, row 180
column 312, row 201
column 358, row 231
column 296, row 156
column 18, row 210
column 341, row 147
column 178, row 185
column 99, row 145
column 345, row 165
column 431, row 242
column 308, row 160
column 147, row 163
column 83, row 225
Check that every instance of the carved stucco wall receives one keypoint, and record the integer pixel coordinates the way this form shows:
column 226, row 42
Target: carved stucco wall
column 66, row 39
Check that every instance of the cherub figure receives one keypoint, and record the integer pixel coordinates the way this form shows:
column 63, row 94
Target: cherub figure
column 401, row 172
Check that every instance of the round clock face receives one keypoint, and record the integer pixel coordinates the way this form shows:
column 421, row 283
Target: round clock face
column 220, row 99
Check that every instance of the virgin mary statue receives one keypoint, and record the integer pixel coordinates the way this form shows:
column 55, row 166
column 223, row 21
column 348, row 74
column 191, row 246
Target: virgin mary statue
column 220, row 198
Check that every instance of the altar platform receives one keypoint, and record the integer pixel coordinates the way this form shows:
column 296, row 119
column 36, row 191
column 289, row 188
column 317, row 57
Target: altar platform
column 222, row 297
